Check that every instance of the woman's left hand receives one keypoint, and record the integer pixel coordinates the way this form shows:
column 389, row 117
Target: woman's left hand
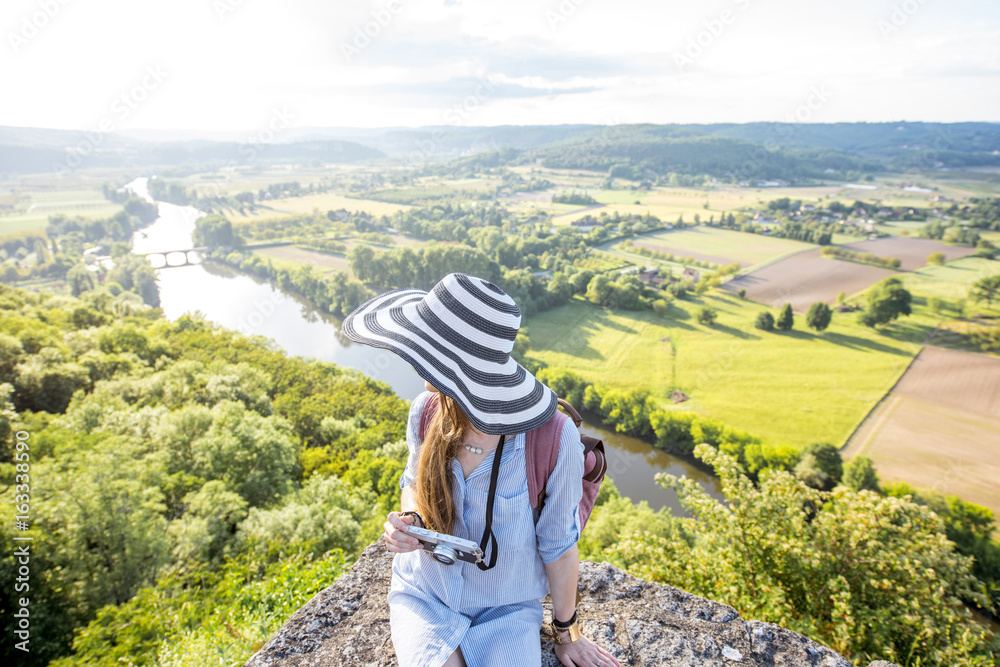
column 585, row 653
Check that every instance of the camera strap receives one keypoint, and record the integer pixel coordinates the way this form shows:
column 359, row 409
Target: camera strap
column 488, row 530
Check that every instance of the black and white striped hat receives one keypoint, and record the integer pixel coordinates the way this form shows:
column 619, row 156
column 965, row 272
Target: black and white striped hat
column 458, row 337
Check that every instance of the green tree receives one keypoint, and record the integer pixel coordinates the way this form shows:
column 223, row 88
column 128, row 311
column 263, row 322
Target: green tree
column 764, row 321
column 820, row 466
column 786, row 319
column 887, row 301
column 213, row 231
column 325, row 514
column 253, row 455
column 599, row 290
column 80, row 279
column 986, row 289
column 860, row 475
column 936, row 258
column 869, row 576
column 582, row 280
column 707, row 315
column 361, row 258
column 46, row 381
column 819, row 316
column 11, row 354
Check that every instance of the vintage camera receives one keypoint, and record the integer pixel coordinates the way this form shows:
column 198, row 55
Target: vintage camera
column 446, row 548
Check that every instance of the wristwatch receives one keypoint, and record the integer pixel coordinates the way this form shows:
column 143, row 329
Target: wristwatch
column 566, row 632
column 416, row 514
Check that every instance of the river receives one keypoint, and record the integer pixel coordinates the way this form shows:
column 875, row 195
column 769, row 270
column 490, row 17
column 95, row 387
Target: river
column 248, row 304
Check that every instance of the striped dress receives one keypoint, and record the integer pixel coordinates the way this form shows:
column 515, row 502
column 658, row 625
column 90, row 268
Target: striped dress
column 495, row 616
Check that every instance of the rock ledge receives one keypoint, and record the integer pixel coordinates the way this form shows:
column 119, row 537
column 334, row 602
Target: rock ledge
column 638, row 622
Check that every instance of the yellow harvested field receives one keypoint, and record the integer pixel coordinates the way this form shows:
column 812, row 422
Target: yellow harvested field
column 278, row 208
column 939, row 428
column 321, row 260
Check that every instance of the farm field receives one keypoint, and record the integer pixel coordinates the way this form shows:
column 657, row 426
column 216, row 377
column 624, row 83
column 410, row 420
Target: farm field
column 793, row 388
column 321, row 260
column 912, row 252
column 327, row 201
column 951, row 280
column 43, row 203
column 618, row 253
column 805, row 278
column 939, row 427
column 721, row 246
column 668, row 203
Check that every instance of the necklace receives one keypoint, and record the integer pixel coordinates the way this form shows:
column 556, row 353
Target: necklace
column 479, row 450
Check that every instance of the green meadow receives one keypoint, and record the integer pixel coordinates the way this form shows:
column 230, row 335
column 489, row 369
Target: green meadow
column 790, row 388
column 34, row 207
column 723, row 243
column 950, row 281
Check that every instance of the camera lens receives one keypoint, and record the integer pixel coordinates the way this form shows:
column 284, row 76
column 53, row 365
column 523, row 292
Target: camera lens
column 444, row 554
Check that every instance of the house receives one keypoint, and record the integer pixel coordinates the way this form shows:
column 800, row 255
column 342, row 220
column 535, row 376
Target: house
column 653, row 279
column 690, row 274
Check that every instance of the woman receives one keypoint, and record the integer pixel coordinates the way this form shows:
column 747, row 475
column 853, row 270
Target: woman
column 458, row 337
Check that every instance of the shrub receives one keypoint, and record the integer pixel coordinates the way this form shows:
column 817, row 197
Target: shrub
column 764, row 321
column 707, row 315
column 936, row 258
column 786, row 319
column 819, row 316
column 860, row 475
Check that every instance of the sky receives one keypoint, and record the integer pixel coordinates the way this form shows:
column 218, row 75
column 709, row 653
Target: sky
column 248, row 65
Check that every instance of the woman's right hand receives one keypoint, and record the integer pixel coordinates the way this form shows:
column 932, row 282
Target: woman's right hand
column 396, row 539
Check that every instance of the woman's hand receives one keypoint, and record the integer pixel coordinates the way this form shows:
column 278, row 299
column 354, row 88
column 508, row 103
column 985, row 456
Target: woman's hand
column 396, row 539
column 585, row 653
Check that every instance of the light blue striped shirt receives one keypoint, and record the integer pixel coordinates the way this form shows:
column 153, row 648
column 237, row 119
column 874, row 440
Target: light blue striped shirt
column 439, row 606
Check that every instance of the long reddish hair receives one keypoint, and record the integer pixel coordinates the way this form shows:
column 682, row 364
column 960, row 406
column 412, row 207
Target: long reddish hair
column 433, row 487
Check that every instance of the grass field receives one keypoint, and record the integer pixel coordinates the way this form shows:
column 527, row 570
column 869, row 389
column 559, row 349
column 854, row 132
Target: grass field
column 721, row 246
column 793, row 388
column 37, row 205
column 939, row 427
column 617, row 252
column 327, row 201
column 325, row 262
column 950, row 281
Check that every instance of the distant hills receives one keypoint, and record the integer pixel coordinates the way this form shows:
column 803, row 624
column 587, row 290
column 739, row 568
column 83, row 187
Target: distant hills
column 736, row 151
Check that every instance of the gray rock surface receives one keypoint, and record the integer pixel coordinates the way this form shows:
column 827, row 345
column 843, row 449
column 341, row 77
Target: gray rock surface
column 640, row 623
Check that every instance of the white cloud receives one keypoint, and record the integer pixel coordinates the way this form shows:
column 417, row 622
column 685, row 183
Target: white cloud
column 600, row 60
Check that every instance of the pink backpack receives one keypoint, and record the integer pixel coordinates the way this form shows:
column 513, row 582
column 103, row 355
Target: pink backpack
column 542, row 451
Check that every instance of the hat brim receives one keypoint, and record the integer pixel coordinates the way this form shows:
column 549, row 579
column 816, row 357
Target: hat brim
column 498, row 394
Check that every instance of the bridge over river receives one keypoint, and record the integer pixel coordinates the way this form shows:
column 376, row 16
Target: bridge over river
column 172, row 258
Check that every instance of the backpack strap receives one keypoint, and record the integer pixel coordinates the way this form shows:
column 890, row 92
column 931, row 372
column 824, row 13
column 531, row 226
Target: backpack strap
column 542, row 452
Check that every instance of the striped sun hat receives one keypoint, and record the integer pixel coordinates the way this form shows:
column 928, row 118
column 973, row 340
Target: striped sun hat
column 458, row 337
